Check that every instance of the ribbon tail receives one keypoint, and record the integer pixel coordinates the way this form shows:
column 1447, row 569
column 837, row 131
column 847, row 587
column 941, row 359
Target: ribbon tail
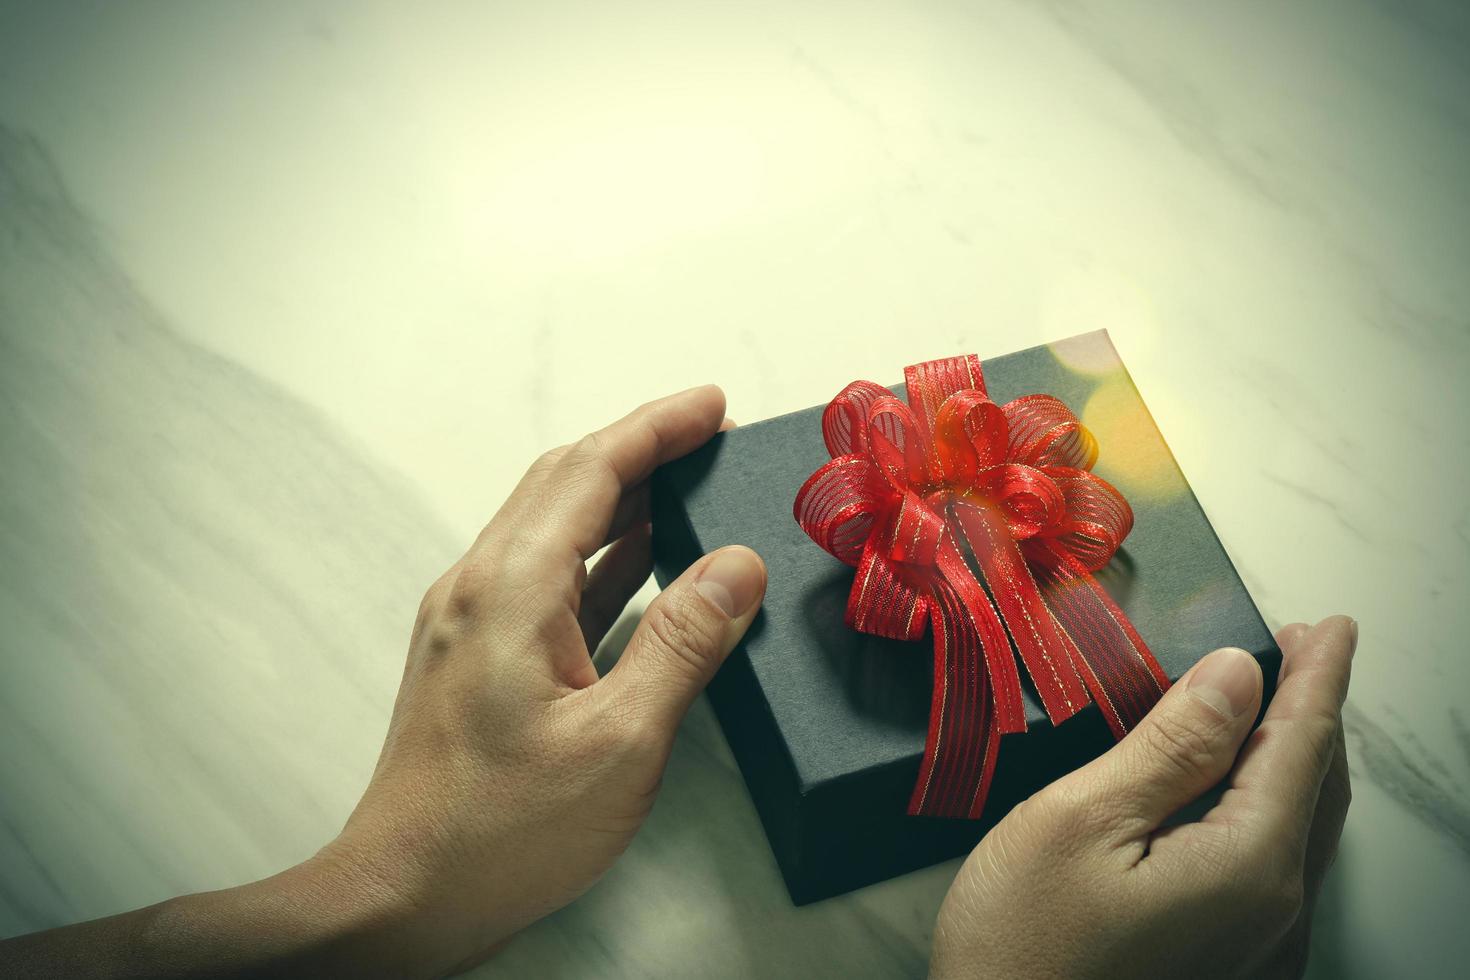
column 972, row 607
column 880, row 602
column 1043, row 645
column 976, row 698
column 1118, row 667
column 963, row 740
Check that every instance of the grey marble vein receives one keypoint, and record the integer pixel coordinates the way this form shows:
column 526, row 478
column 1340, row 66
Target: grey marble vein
column 1417, row 780
column 183, row 541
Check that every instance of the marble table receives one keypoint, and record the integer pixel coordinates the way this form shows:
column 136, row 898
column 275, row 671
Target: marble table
column 290, row 294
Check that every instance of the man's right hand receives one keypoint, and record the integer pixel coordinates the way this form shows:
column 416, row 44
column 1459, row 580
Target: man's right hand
column 1084, row 879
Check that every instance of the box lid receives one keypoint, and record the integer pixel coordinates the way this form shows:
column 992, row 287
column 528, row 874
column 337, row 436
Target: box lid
column 845, row 702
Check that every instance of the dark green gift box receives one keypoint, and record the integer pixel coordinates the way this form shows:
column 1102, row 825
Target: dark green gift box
column 828, row 724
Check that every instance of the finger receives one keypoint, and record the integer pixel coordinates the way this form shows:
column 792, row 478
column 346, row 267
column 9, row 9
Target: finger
column 632, row 511
column 1289, row 956
column 618, row 574
column 1286, row 638
column 1276, row 783
column 582, row 491
column 684, row 636
column 1181, row 748
column 1329, row 818
column 1186, row 835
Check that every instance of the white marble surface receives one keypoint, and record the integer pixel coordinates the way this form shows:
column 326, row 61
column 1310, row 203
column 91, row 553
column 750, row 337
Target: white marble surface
column 291, row 293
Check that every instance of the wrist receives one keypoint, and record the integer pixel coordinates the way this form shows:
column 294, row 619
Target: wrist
column 351, row 916
column 400, row 882
column 322, row 917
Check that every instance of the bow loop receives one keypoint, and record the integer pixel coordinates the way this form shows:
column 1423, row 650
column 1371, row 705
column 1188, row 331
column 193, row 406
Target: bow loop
column 837, row 507
column 969, row 437
column 1028, row 499
column 845, row 419
column 1095, row 520
column 897, row 444
column 1044, row 432
column 918, row 531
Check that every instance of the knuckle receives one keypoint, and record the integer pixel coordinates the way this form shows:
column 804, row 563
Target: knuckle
column 1175, row 742
column 1072, row 814
column 1316, row 716
column 1059, row 807
column 439, row 640
column 432, row 628
column 436, row 596
column 590, row 461
column 1318, row 728
column 465, row 596
column 536, row 611
column 512, row 590
column 590, row 453
column 686, row 638
column 547, row 461
column 500, row 534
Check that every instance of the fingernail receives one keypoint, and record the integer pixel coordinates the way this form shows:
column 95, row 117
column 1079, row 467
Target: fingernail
column 1353, row 629
column 732, row 579
column 1226, row 680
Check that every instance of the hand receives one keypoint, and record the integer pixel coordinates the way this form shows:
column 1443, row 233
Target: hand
column 1085, row 879
column 512, row 776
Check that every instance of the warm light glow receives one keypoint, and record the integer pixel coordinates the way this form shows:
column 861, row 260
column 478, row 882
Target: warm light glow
column 1132, row 456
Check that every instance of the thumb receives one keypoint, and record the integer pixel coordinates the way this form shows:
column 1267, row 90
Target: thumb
column 1181, row 748
column 686, row 633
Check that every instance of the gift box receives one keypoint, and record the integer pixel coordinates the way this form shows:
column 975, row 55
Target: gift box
column 828, row 723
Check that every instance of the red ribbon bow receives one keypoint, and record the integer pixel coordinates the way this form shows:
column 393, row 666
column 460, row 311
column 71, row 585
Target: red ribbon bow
column 909, row 491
